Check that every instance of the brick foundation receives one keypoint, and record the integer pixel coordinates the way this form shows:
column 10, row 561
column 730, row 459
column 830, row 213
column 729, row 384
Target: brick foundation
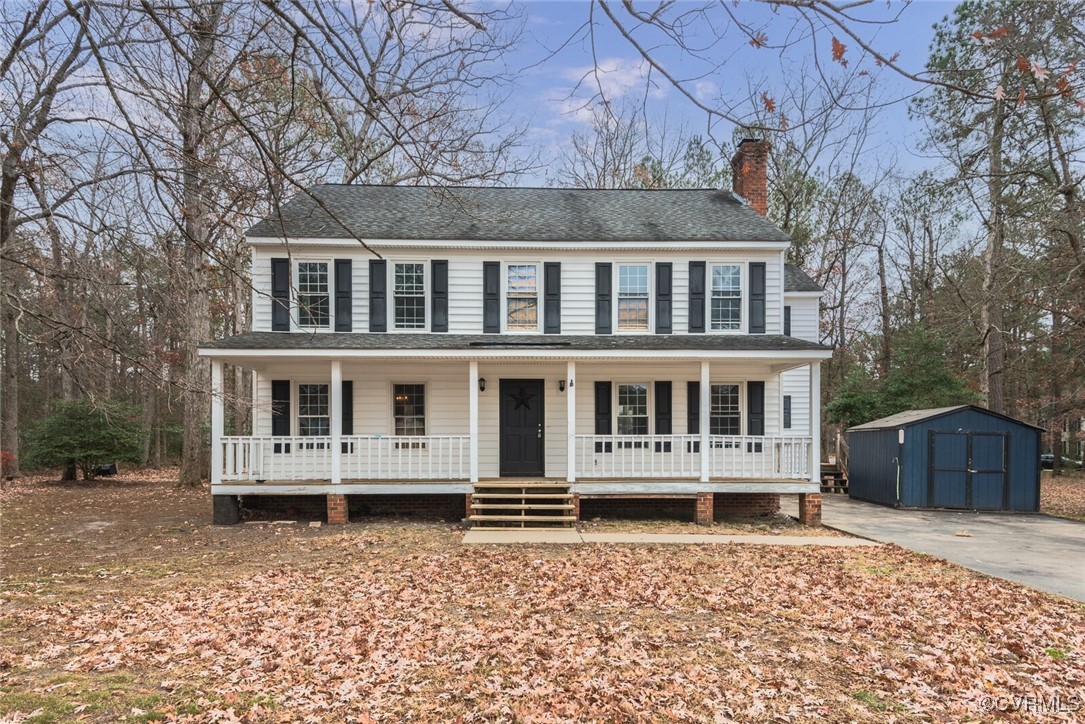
column 225, row 509
column 810, row 509
column 745, row 505
column 634, row 508
column 337, row 509
column 315, row 507
column 703, row 514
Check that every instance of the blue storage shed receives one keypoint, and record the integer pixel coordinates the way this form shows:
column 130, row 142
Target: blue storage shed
column 949, row 457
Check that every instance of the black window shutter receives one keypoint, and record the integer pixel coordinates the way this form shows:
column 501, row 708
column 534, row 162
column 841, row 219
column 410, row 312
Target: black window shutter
column 602, row 416
column 552, row 297
column 439, row 295
column 603, row 311
column 757, row 297
column 280, row 295
column 787, row 321
column 280, row 408
column 755, row 408
column 491, row 297
column 663, row 415
column 378, row 295
column 693, row 413
column 344, row 297
column 664, row 298
column 787, row 412
column 696, row 296
column 348, row 407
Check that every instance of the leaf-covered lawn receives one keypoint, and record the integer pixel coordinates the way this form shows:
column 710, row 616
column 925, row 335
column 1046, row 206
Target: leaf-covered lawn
column 396, row 620
column 1063, row 496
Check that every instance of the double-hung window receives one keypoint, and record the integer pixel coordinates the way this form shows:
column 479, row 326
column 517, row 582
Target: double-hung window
column 314, row 419
column 522, row 298
column 633, row 297
column 726, row 301
column 409, row 295
column 409, row 409
column 724, row 418
column 633, row 409
column 314, row 301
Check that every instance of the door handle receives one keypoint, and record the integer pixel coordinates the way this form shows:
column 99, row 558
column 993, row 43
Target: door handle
column 540, row 432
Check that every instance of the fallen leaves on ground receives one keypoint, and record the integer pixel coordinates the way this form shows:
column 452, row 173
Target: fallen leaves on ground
column 1063, row 496
column 396, row 621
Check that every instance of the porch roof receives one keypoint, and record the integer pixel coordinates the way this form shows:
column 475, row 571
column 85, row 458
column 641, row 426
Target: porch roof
column 530, row 345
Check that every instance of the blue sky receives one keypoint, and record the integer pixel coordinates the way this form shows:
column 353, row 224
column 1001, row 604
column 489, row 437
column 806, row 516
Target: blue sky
column 545, row 98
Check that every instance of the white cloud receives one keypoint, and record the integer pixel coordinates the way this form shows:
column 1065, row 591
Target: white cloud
column 615, row 78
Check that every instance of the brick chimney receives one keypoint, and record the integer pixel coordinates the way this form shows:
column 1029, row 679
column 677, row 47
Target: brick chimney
column 750, row 173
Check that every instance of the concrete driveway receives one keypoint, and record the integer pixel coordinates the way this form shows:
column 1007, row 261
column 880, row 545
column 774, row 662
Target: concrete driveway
column 1036, row 550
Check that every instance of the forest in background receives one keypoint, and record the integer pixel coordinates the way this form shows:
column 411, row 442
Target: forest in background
column 139, row 141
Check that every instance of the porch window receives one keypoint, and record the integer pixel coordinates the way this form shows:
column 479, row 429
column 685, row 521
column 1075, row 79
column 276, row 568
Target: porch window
column 633, row 409
column 633, row 297
column 409, row 292
column 725, row 418
column 313, row 417
column 314, row 307
column 726, row 301
column 409, row 409
column 522, row 298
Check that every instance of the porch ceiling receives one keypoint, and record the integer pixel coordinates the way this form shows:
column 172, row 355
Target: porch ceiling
column 264, row 345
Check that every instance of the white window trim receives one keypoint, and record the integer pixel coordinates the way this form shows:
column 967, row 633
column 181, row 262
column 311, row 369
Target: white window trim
column 744, row 296
column 741, row 384
column 295, row 404
column 540, row 286
column 390, row 301
column 615, row 285
column 295, row 294
column 651, row 403
column 392, row 406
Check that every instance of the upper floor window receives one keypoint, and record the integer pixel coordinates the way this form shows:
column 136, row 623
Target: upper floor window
column 726, row 301
column 409, row 409
column 725, row 418
column 633, row 409
column 522, row 298
column 409, row 293
column 314, row 305
column 632, row 297
column 313, row 418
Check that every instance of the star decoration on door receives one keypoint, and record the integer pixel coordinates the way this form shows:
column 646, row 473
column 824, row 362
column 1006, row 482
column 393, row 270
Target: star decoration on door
column 522, row 399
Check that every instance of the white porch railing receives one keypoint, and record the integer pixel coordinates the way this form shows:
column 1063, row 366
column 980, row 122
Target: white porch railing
column 738, row 456
column 406, row 457
column 363, row 457
column 642, row 456
column 679, row 456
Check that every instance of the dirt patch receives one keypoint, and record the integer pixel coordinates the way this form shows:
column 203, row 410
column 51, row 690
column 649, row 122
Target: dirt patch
column 778, row 524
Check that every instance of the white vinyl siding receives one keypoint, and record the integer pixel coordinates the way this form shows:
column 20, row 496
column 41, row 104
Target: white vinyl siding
column 577, row 286
column 796, row 383
column 804, row 317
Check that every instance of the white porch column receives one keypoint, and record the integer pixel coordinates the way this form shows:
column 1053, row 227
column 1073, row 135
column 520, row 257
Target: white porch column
column 218, row 421
column 472, row 396
column 815, row 422
column 335, row 395
column 570, row 421
column 705, row 420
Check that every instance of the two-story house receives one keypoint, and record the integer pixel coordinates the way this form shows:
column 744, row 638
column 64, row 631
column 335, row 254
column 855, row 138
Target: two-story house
column 526, row 349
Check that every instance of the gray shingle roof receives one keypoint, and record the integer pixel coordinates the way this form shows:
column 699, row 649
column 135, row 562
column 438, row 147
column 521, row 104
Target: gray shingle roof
column 903, row 419
column 518, row 214
column 796, row 280
column 469, row 342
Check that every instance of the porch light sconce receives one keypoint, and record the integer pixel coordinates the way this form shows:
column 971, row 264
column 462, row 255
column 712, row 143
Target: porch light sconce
column 481, row 384
column 561, row 385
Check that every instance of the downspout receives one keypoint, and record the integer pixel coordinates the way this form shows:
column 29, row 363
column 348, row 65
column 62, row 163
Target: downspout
column 900, row 458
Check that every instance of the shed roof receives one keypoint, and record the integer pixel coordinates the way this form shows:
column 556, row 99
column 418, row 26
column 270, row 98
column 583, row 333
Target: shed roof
column 909, row 417
column 338, row 211
column 797, row 280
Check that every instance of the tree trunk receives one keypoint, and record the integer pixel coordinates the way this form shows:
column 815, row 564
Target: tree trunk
column 886, row 360
column 197, row 307
column 994, row 346
column 9, row 430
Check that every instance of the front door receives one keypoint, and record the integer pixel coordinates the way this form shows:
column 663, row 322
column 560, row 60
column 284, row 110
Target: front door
column 522, row 450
